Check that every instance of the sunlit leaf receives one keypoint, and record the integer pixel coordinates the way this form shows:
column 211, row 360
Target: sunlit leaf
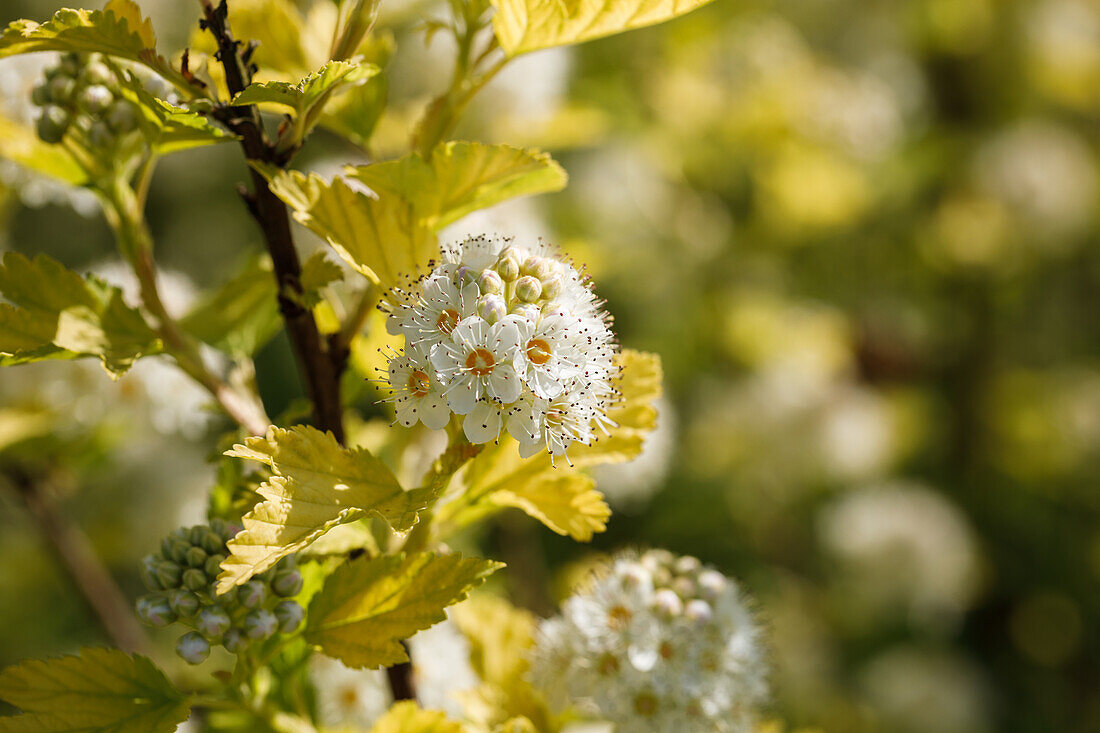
column 168, row 128
column 380, row 237
column 370, row 604
column 565, row 501
column 527, row 25
column 318, row 272
column 317, row 484
column 242, row 315
column 21, row 145
column 54, row 313
column 406, row 717
column 461, row 177
column 97, row 690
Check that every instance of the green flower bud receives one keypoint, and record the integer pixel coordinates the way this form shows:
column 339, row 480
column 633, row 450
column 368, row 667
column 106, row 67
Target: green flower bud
column 252, row 594
column 40, row 95
column 541, row 268
column 491, row 307
column 235, row 641
column 122, row 118
column 169, row 574
column 217, row 526
column 195, row 579
column 95, row 99
column 155, row 611
column 213, row 566
column 148, row 572
column 287, row 583
column 97, row 72
column 62, row 89
column 212, row 542
column 508, row 264
column 229, row 531
column 212, row 622
column 193, row 648
column 174, row 548
column 290, row 616
column 196, row 534
column 184, row 602
column 70, row 64
column 52, row 124
column 528, row 289
column 260, row 624
column 552, row 287
column 195, row 557
column 100, row 135
column 490, row 282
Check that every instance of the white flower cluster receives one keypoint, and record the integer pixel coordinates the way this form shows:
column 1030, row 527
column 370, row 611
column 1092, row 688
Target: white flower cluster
column 659, row 644
column 512, row 338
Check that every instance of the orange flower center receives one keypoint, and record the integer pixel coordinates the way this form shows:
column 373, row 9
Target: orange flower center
column 538, row 351
column 419, row 384
column 447, row 321
column 480, row 362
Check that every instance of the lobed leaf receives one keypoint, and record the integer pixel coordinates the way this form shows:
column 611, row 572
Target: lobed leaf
column 528, row 25
column 97, row 690
column 54, row 313
column 406, row 717
column 168, row 128
column 317, row 485
column 370, row 604
column 461, row 177
column 242, row 315
column 565, row 501
column 380, row 237
column 317, row 273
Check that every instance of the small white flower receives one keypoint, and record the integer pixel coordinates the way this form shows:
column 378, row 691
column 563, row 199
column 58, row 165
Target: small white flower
column 478, row 361
column 442, row 304
column 418, row 395
column 553, row 352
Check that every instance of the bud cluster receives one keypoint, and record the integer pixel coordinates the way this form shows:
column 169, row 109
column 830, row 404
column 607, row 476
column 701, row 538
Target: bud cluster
column 182, row 578
column 509, row 337
column 658, row 643
column 81, row 95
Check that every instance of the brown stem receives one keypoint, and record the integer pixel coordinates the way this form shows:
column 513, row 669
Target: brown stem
column 78, row 558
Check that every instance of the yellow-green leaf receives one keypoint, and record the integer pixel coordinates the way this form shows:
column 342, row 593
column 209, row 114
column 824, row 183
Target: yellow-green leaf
column 461, row 177
column 242, row 315
column 21, row 145
column 119, row 30
column 499, row 634
column 565, row 501
column 380, row 237
column 97, row 690
column 317, row 272
column 406, row 717
column 528, row 25
column 307, row 98
column 370, row 604
column 168, row 128
column 54, row 313
column 317, row 484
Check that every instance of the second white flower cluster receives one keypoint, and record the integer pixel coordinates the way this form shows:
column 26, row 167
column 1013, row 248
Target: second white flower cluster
column 512, row 339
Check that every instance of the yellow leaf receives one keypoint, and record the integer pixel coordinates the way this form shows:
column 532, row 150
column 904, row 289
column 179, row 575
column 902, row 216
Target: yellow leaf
column 565, row 501
column 406, row 717
column 369, row 605
column 380, row 237
column 317, row 484
column 461, row 177
column 527, row 25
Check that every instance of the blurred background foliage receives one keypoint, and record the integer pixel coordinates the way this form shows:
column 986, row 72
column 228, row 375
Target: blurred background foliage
column 862, row 235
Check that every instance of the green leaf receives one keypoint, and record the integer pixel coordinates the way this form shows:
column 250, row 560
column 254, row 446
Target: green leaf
column 317, row 272
column 119, row 30
column 461, row 177
column 308, row 97
column 168, row 128
column 406, row 717
column 53, row 313
column 317, row 484
column 242, row 315
column 380, row 237
column 528, row 25
column 370, row 604
column 99, row 690
column 565, row 501
column 21, row 145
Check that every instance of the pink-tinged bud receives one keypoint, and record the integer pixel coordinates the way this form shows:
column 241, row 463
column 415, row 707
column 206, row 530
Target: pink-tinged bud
column 193, row 648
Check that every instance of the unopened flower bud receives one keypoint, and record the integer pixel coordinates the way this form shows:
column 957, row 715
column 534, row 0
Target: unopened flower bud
column 40, row 95
column 252, row 594
column 634, row 576
column 174, row 548
column 184, row 602
column 552, row 287
column 699, row 611
column 290, row 615
column 52, row 124
column 540, row 268
column 684, row 587
column 195, row 557
column 148, row 572
column 528, row 289
column 194, row 579
column 217, row 526
column 667, row 603
column 508, row 264
column 70, row 63
column 97, row 72
column 287, row 583
column 260, row 624
column 193, row 647
column 492, row 308
column 687, row 564
column 96, row 99
column 62, row 89
column 155, row 611
column 211, row 542
column 212, row 622
column 490, row 282
column 169, row 574
column 711, row 584
column 213, row 566
column 234, row 641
